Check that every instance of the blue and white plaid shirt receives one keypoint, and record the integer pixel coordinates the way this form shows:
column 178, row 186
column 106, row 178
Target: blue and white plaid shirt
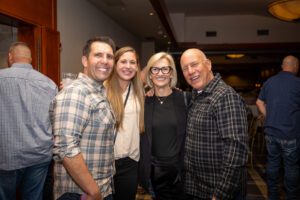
column 83, row 122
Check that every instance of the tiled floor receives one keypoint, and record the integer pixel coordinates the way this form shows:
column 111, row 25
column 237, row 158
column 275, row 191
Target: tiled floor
column 256, row 185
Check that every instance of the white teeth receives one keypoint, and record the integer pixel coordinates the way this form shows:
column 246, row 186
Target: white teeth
column 194, row 78
column 127, row 72
column 102, row 69
column 161, row 78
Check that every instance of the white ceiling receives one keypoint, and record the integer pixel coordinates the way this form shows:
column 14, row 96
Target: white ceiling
column 134, row 14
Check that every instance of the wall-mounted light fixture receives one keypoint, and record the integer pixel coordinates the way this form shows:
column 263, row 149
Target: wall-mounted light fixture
column 287, row 10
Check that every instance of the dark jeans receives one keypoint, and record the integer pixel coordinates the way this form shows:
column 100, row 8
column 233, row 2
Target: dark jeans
column 288, row 152
column 29, row 181
column 48, row 187
column 125, row 179
column 166, row 182
column 239, row 196
column 75, row 196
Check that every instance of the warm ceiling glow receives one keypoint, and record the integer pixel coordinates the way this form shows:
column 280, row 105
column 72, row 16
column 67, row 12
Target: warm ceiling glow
column 288, row 10
column 151, row 13
column 235, row 55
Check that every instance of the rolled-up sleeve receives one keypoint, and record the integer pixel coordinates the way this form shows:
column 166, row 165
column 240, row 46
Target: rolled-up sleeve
column 69, row 117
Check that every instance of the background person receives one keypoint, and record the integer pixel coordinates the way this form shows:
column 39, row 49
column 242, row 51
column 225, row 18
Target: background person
column 125, row 93
column 26, row 134
column 279, row 103
column 84, row 128
column 216, row 145
column 165, row 122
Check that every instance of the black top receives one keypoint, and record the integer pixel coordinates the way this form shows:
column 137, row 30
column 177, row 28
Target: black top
column 176, row 115
column 164, row 129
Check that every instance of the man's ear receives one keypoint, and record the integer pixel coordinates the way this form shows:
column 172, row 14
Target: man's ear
column 9, row 59
column 84, row 61
column 208, row 64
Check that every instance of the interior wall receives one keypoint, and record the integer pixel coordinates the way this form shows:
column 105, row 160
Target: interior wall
column 233, row 29
column 148, row 49
column 79, row 20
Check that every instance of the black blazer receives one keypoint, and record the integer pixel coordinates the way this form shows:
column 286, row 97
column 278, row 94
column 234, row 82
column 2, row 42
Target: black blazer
column 146, row 138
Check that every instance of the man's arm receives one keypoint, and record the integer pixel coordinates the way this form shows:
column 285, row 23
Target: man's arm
column 261, row 106
column 232, row 125
column 78, row 170
column 68, row 121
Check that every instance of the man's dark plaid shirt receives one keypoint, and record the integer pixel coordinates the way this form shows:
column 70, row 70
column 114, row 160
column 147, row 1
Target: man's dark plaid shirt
column 216, row 144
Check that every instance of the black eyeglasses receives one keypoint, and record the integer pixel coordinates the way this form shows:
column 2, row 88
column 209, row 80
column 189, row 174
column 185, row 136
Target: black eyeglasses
column 164, row 70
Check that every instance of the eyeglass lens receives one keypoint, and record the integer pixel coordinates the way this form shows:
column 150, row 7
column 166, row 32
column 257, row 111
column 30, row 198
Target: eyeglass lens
column 164, row 70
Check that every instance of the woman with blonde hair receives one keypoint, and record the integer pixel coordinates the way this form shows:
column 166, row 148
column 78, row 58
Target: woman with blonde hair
column 162, row 144
column 126, row 95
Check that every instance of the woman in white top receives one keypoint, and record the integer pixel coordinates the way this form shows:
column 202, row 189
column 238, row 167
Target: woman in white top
column 125, row 93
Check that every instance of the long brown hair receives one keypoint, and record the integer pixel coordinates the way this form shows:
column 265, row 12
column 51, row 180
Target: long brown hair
column 114, row 90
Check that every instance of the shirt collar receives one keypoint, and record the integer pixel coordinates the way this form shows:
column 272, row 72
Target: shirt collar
column 209, row 87
column 95, row 84
column 22, row 65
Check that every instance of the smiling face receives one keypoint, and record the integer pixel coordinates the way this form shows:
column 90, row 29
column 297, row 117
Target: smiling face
column 127, row 66
column 196, row 68
column 99, row 63
column 158, row 74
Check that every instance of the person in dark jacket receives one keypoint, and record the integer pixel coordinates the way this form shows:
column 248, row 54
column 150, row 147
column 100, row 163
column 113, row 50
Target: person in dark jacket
column 161, row 160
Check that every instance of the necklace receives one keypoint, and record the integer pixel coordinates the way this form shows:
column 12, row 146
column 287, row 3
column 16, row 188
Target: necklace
column 161, row 99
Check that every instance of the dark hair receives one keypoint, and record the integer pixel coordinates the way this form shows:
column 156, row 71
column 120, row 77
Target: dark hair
column 87, row 47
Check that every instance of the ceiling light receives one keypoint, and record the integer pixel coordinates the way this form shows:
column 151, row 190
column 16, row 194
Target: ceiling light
column 235, row 55
column 287, row 10
column 151, row 13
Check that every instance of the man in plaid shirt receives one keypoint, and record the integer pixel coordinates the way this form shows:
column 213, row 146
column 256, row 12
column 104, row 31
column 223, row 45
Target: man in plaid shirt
column 84, row 128
column 216, row 145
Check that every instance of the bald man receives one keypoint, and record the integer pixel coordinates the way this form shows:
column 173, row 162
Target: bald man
column 216, row 144
column 25, row 129
column 279, row 104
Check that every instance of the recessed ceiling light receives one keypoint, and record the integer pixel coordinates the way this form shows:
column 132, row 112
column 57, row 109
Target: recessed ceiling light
column 151, row 13
column 235, row 55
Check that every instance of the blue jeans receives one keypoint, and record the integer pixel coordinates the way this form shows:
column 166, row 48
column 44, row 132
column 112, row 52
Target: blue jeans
column 29, row 181
column 288, row 152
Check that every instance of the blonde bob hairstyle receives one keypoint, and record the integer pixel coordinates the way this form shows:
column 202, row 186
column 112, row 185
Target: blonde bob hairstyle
column 153, row 60
column 114, row 90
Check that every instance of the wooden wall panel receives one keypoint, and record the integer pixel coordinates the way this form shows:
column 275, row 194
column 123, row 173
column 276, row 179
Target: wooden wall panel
column 27, row 34
column 39, row 12
column 50, row 54
column 36, row 23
